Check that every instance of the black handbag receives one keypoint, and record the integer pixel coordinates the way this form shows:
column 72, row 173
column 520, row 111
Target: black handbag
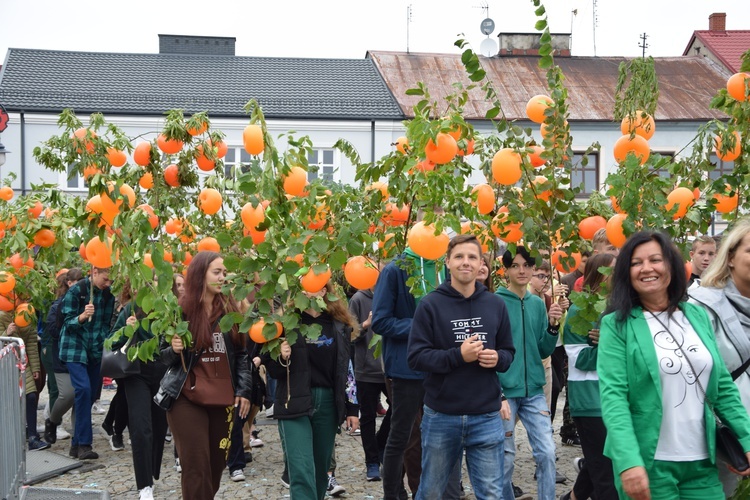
column 115, row 364
column 728, row 447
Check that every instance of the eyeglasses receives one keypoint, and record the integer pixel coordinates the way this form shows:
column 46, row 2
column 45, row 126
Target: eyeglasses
column 543, row 277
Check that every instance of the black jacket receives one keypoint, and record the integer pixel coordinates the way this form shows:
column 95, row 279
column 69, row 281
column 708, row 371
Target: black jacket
column 300, row 402
column 174, row 379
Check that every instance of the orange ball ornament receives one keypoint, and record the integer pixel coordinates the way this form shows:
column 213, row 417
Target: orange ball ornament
column 683, row 198
column 99, row 252
column 402, row 143
column 256, row 332
column 506, row 167
column 565, row 261
column 209, row 244
column 116, row 157
column 588, row 227
column 142, row 154
column 168, row 146
column 726, row 203
column 509, row 232
column 636, row 145
column 424, row 242
column 45, row 238
column 615, row 231
column 295, row 182
column 737, row 86
column 731, row 154
column 361, row 273
column 536, row 107
column 483, row 197
column 642, row 123
column 7, row 282
column 25, row 314
column 442, row 150
column 313, row 283
column 252, row 139
column 252, row 217
column 209, row 201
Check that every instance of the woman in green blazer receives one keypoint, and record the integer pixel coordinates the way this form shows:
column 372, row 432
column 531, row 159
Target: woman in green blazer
column 660, row 431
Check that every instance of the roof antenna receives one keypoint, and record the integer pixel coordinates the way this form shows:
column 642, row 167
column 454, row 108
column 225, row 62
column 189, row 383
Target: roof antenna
column 488, row 47
column 408, row 22
column 643, row 45
column 596, row 21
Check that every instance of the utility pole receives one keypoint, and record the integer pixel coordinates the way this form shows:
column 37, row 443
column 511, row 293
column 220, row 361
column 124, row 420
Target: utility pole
column 643, row 45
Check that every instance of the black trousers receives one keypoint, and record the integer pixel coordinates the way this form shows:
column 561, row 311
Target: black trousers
column 596, row 479
column 146, row 421
column 373, row 443
column 117, row 415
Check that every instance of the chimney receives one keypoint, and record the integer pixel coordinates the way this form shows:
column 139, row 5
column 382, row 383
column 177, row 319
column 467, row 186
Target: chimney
column 196, row 45
column 527, row 44
column 717, row 21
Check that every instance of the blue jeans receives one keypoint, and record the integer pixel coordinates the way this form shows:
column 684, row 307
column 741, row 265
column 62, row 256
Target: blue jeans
column 444, row 437
column 534, row 415
column 84, row 379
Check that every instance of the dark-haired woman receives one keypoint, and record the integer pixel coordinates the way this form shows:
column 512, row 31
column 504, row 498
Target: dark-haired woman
column 217, row 380
column 595, row 479
column 322, row 395
column 659, row 370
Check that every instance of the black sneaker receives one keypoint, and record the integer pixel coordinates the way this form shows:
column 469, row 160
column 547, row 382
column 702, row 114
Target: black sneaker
column 115, row 442
column 334, row 488
column 108, row 428
column 36, row 444
column 518, row 493
column 50, row 431
column 572, row 441
column 73, row 451
column 86, row 453
column 285, row 478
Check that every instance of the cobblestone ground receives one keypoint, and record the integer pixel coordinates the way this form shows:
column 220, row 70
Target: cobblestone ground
column 113, row 470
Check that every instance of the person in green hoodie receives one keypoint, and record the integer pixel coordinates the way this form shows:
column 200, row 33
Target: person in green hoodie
column 535, row 332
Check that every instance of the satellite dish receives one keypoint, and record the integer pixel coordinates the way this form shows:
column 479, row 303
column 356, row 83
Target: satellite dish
column 487, row 26
column 488, row 47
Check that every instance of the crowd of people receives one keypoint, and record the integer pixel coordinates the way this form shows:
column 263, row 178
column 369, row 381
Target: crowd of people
column 462, row 362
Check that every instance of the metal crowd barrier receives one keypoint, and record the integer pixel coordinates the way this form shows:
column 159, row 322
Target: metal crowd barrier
column 12, row 416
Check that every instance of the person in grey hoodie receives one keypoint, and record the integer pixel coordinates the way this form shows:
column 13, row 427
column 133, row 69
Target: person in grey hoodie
column 368, row 372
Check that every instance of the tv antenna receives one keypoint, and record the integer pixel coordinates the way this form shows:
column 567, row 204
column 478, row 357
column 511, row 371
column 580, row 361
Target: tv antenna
column 408, row 22
column 488, row 47
column 595, row 19
column 643, row 45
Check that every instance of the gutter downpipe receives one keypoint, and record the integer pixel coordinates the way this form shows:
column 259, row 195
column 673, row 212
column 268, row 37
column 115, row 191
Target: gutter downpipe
column 372, row 141
column 23, row 155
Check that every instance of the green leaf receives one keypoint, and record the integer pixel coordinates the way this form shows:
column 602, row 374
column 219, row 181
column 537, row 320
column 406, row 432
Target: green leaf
column 540, row 11
column 545, row 62
column 492, row 113
column 540, row 25
column 414, row 92
column 477, row 75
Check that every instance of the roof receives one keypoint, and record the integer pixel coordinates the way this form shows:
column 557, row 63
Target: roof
column 727, row 46
column 118, row 83
column 687, row 84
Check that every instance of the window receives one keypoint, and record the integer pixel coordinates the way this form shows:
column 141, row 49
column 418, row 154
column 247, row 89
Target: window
column 235, row 157
column 322, row 165
column 664, row 172
column 722, row 167
column 73, row 181
column 586, row 177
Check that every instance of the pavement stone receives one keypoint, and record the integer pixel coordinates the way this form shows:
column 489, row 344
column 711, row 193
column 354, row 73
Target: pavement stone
column 113, row 470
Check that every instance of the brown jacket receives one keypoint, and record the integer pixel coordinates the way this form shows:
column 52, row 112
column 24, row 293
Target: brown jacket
column 29, row 337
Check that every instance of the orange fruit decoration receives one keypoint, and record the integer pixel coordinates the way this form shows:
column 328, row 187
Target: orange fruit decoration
column 485, row 198
column 730, row 154
column 395, row 215
column 188, row 259
column 295, row 182
column 256, row 332
column 642, row 123
column 36, row 210
column 535, row 156
column 252, row 217
column 637, row 145
column 146, row 181
column 209, row 244
column 6, row 193
column 615, row 231
column 22, row 267
column 480, row 231
column 318, row 220
column 506, row 167
column 168, row 146
column 116, row 157
column 209, row 201
column 25, row 314
column 425, row 165
column 173, row 226
column 545, row 129
column 148, row 260
column 221, row 148
column 536, row 107
column 424, row 242
column 737, row 86
column 90, row 170
column 203, row 162
column 110, row 205
column 252, row 138
column 379, row 186
column 313, row 283
column 153, row 220
column 82, row 252
column 697, row 194
column 588, row 227
column 688, row 269
column 541, row 195
column 5, row 304
column 186, row 232
column 469, row 148
column 565, row 261
column 99, row 252
column 443, row 150
column 726, row 203
column 172, row 175
column 197, row 130
column 7, row 282
column 509, row 232
column 683, row 198
column 258, row 237
column 80, row 139
column 45, row 238
column 361, row 273
column 142, row 154
column 402, row 143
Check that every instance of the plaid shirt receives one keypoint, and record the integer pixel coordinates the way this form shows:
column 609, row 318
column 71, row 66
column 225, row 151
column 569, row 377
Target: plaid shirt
column 82, row 343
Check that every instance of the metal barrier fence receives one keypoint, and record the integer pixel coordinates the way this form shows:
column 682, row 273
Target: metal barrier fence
column 12, row 416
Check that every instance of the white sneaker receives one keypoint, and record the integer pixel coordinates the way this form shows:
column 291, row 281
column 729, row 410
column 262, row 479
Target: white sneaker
column 269, row 412
column 256, row 443
column 62, row 433
column 177, row 465
column 46, row 411
column 237, row 476
column 146, row 493
column 96, row 409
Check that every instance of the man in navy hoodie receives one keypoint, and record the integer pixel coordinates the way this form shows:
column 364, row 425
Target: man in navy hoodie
column 461, row 337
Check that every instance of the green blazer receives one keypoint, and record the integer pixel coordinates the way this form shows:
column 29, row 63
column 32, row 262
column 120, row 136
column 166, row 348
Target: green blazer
column 631, row 390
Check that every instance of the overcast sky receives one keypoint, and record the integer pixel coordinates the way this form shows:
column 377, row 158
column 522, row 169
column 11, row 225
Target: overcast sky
column 347, row 29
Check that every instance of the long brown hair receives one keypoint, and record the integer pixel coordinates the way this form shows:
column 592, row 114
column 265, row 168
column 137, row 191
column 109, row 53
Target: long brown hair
column 592, row 278
column 193, row 308
column 337, row 310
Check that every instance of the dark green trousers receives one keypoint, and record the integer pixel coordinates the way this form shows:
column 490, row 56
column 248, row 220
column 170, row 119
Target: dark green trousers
column 49, row 366
column 308, row 445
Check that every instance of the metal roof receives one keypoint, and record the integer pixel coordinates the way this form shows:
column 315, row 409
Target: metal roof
column 49, row 81
column 728, row 45
column 687, row 84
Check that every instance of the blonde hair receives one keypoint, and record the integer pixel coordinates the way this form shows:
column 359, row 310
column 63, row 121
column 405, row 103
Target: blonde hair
column 718, row 273
column 600, row 238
